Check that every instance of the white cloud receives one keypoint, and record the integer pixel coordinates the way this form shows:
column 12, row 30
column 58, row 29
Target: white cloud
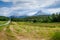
column 29, row 7
column 53, row 10
column 5, row 11
column 31, row 13
column 6, row 0
column 31, row 3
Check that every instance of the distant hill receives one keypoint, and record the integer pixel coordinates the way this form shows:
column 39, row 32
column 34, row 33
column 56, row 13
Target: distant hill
column 3, row 18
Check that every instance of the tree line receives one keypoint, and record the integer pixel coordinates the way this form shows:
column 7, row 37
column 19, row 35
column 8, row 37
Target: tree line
column 40, row 18
column 3, row 18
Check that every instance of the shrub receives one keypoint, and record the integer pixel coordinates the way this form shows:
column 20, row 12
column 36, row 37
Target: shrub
column 56, row 36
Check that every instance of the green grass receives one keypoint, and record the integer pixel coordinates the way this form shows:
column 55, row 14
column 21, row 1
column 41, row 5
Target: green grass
column 39, row 24
column 38, row 30
column 2, row 22
column 28, row 30
column 56, row 36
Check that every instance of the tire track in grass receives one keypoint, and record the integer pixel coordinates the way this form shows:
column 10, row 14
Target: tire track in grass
column 22, row 36
column 2, row 34
column 27, row 38
column 16, row 35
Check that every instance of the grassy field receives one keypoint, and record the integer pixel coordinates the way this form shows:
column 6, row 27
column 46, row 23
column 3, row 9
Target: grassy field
column 2, row 22
column 28, row 31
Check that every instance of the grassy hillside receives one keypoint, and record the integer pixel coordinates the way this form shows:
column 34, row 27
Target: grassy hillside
column 28, row 31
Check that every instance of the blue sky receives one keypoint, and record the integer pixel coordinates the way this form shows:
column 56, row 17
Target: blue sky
column 5, row 4
column 28, row 7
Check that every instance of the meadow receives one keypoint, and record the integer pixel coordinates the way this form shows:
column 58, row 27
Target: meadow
column 29, row 31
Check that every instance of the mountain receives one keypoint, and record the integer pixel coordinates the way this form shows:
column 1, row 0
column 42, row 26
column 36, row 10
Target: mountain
column 36, row 14
column 41, row 13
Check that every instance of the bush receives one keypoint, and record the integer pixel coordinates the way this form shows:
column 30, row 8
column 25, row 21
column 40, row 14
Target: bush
column 56, row 36
column 34, row 21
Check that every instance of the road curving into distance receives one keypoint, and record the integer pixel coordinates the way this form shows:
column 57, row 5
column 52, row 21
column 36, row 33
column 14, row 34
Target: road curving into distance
column 8, row 22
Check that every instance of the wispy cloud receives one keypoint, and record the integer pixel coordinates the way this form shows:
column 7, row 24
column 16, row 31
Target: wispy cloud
column 53, row 10
column 56, row 4
column 28, row 7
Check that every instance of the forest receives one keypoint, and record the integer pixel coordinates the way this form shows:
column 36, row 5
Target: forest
column 39, row 18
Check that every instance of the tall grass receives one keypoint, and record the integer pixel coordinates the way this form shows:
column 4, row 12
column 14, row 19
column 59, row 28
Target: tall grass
column 56, row 36
column 32, row 30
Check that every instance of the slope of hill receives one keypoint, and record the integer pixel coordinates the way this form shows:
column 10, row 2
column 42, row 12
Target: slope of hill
column 41, row 13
